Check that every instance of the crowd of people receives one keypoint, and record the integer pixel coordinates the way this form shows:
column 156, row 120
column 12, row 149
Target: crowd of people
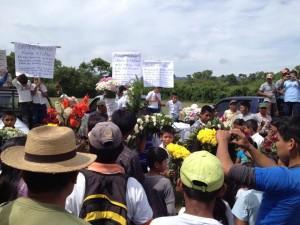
column 253, row 178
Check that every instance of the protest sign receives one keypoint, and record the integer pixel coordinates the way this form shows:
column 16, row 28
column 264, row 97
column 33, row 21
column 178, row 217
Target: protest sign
column 35, row 60
column 158, row 74
column 126, row 66
column 3, row 62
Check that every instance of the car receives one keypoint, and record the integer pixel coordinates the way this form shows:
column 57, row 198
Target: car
column 9, row 100
column 223, row 104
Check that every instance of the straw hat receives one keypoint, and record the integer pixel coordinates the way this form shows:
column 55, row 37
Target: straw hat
column 48, row 149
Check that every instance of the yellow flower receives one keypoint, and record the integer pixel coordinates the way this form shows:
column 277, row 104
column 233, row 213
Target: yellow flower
column 207, row 136
column 177, row 151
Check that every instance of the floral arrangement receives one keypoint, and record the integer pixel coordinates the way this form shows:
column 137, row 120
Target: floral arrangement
column 134, row 94
column 177, row 151
column 10, row 132
column 108, row 86
column 68, row 111
column 191, row 113
column 149, row 125
column 207, row 136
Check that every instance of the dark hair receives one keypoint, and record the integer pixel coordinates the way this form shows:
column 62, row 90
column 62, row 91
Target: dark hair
column 108, row 154
column 125, row 120
column 10, row 177
column 121, row 89
column 9, row 113
column 290, row 129
column 206, row 108
column 174, row 93
column 245, row 104
column 48, row 182
column 252, row 124
column 167, row 129
column 239, row 122
column 200, row 196
column 96, row 118
column 294, row 72
column 23, row 79
column 156, row 154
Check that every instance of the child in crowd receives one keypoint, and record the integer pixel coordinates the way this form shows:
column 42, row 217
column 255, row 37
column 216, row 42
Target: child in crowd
column 167, row 136
column 174, row 106
column 9, row 119
column 251, row 130
column 158, row 188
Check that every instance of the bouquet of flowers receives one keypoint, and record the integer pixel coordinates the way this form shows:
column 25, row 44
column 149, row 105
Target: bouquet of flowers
column 68, row 111
column 191, row 113
column 9, row 132
column 134, row 94
column 177, row 154
column 108, row 86
column 149, row 125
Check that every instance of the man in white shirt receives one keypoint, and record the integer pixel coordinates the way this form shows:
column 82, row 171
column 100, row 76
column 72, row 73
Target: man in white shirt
column 245, row 113
column 251, row 129
column 201, row 181
column 154, row 100
column 39, row 99
column 174, row 106
column 230, row 114
column 23, row 85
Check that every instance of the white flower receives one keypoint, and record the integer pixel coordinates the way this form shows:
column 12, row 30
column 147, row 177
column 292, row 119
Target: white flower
column 147, row 118
column 141, row 128
column 136, row 128
column 162, row 121
column 67, row 112
column 140, row 121
column 219, row 126
column 153, row 118
column 154, row 123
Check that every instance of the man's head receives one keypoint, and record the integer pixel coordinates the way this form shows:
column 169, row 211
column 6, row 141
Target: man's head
column 251, row 127
column 101, row 106
column 106, row 142
column 269, row 78
column 244, row 107
column 174, row 97
column 263, row 108
column 157, row 159
column 293, row 75
column 233, row 105
column 9, row 119
column 167, row 135
column 288, row 144
column 121, row 90
column 125, row 120
column 206, row 113
column 23, row 79
column 239, row 124
column 49, row 154
column 285, row 72
column 157, row 89
column 202, row 177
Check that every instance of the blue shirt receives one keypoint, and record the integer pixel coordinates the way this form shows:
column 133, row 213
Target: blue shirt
column 291, row 91
column 281, row 200
column 242, row 156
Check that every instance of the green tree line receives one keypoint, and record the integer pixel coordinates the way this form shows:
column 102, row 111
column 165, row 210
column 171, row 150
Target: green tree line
column 202, row 86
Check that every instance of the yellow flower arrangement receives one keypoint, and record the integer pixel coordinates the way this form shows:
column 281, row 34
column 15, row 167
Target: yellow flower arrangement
column 207, row 136
column 177, row 151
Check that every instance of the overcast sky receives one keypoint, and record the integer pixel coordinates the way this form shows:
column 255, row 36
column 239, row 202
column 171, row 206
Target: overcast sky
column 227, row 36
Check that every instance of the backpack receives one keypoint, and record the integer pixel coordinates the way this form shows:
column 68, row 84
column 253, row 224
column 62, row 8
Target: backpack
column 105, row 199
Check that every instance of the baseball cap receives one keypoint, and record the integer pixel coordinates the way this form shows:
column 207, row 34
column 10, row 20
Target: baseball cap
column 202, row 171
column 105, row 135
column 269, row 76
column 232, row 102
column 263, row 105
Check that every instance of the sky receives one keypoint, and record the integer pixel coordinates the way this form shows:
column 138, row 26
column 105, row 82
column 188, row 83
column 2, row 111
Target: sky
column 226, row 36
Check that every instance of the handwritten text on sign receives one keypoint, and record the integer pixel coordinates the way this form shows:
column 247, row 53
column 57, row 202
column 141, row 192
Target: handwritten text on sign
column 34, row 60
column 158, row 74
column 126, row 66
column 3, row 62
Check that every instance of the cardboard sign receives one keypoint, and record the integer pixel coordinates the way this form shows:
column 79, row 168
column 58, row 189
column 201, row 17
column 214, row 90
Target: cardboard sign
column 35, row 60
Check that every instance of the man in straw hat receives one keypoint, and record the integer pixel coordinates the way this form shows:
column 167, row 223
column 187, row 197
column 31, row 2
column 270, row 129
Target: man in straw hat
column 50, row 165
column 201, row 181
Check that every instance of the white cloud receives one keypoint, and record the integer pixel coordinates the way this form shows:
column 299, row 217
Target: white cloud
column 227, row 36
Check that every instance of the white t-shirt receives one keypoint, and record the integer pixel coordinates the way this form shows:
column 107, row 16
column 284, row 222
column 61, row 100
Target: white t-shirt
column 174, row 108
column 249, row 116
column 184, row 219
column 23, row 91
column 258, row 139
column 38, row 98
column 138, row 208
column 122, row 102
column 152, row 98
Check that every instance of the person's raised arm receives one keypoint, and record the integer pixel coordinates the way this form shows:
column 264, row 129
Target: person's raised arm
column 259, row 158
column 223, row 138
